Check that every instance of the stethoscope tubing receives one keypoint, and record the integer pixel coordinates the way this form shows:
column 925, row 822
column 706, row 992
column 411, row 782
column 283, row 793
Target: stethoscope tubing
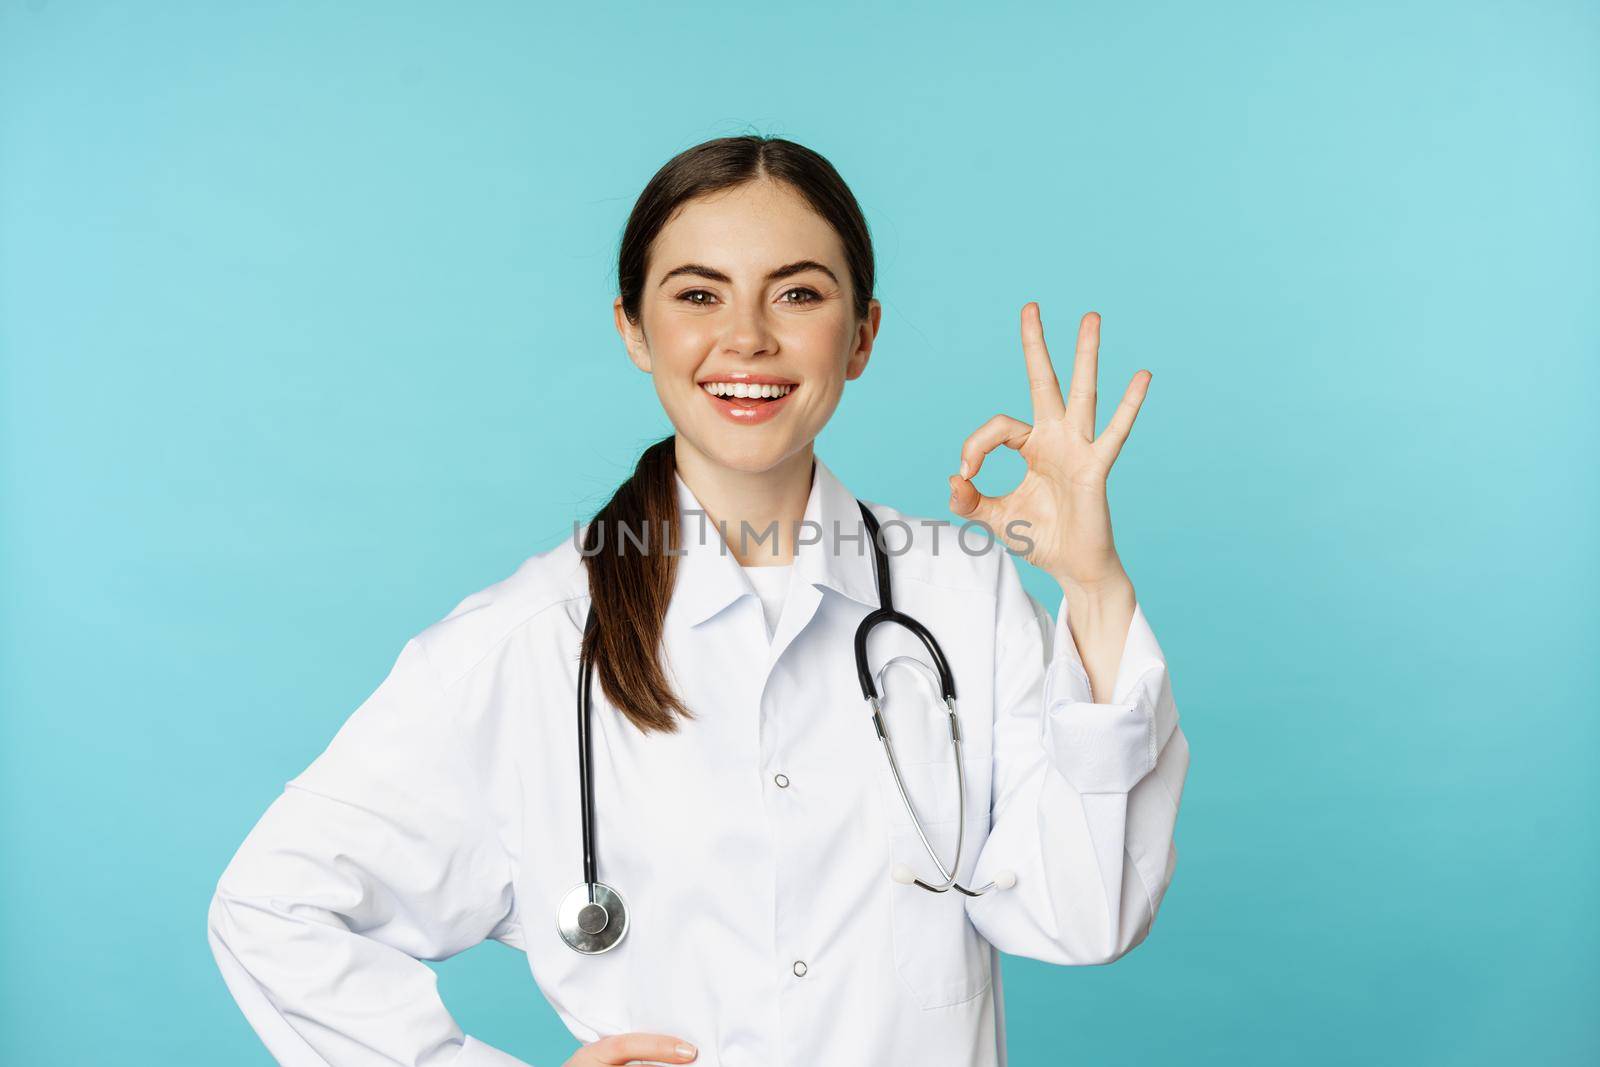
column 947, row 690
column 586, row 765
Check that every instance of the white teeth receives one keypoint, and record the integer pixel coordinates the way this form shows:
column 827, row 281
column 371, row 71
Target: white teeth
column 747, row 390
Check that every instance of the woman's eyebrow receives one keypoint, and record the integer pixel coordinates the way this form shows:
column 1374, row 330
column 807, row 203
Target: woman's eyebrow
column 712, row 274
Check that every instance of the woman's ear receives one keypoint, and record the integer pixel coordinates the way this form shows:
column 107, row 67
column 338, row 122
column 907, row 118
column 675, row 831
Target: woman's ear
column 866, row 334
column 632, row 337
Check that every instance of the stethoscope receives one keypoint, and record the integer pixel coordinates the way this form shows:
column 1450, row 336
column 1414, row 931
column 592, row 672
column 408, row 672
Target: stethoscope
column 593, row 916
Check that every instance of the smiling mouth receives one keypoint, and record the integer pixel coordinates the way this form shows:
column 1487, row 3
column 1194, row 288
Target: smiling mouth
column 749, row 394
column 752, row 400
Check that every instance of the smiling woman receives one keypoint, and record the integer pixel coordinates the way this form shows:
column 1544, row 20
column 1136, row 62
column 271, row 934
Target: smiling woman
column 826, row 868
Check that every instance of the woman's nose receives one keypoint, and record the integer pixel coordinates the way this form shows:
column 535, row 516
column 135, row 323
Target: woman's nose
column 750, row 332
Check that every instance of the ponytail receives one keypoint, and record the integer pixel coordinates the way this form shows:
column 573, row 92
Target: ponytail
column 631, row 575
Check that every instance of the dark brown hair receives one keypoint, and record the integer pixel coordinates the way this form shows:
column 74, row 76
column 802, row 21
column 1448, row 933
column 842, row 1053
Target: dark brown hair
column 630, row 543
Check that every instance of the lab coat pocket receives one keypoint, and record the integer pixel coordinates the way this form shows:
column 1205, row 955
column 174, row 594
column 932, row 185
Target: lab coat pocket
column 939, row 954
column 933, row 790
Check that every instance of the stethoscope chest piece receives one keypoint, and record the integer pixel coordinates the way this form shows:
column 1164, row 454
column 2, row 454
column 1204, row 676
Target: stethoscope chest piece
column 592, row 918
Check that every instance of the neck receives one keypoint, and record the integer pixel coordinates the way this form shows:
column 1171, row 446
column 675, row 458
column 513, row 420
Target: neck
column 766, row 506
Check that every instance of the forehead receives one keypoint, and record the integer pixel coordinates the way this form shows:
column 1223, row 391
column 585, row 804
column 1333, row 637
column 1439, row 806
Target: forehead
column 749, row 228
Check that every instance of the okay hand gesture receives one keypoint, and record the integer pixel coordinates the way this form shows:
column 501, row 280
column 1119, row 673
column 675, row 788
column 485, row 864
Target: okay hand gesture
column 1062, row 498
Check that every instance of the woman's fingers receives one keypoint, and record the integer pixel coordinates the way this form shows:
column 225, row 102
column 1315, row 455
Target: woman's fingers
column 1000, row 430
column 1082, row 389
column 965, row 500
column 626, row 1048
column 1116, row 432
column 1042, row 383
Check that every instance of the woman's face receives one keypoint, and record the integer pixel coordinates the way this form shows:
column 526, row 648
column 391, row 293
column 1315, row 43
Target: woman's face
column 747, row 291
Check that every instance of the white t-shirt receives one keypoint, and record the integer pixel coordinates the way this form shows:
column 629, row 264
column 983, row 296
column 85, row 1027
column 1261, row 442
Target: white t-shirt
column 772, row 586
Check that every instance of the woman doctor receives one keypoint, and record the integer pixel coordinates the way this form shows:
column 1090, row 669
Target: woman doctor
column 774, row 889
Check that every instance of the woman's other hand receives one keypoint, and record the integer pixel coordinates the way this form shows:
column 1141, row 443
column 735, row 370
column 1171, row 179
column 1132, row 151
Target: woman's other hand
column 1062, row 498
column 1058, row 518
column 633, row 1048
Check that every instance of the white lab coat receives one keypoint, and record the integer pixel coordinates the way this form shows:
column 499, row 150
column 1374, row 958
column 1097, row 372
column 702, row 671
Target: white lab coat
column 445, row 812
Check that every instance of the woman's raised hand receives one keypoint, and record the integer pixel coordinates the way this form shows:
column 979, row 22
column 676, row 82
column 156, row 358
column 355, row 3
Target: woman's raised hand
column 631, row 1048
column 1060, row 506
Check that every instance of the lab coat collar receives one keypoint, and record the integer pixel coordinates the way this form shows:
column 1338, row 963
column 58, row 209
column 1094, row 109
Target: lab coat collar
column 835, row 551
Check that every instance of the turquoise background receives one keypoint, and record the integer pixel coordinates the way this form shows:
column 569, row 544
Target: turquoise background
column 304, row 322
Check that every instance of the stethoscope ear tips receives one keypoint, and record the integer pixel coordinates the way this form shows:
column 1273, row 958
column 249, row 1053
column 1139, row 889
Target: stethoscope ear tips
column 906, row 876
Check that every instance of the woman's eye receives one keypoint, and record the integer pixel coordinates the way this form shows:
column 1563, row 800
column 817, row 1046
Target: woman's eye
column 703, row 298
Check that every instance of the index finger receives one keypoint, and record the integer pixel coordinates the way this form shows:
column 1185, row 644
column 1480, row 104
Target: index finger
column 1042, row 383
column 626, row 1048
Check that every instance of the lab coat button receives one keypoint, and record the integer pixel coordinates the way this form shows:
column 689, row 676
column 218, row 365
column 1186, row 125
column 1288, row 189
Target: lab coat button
column 799, row 968
column 782, row 780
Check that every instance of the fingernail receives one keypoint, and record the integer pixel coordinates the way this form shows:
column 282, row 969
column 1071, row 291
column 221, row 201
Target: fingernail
column 964, row 468
column 686, row 1051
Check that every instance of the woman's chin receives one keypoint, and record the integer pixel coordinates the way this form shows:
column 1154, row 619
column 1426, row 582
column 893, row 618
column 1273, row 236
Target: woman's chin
column 748, row 450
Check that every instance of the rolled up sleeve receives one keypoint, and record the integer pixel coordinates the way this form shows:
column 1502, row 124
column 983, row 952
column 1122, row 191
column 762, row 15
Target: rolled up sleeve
column 1086, row 793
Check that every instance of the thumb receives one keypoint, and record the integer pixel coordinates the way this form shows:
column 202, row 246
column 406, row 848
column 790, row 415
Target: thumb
column 967, row 502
